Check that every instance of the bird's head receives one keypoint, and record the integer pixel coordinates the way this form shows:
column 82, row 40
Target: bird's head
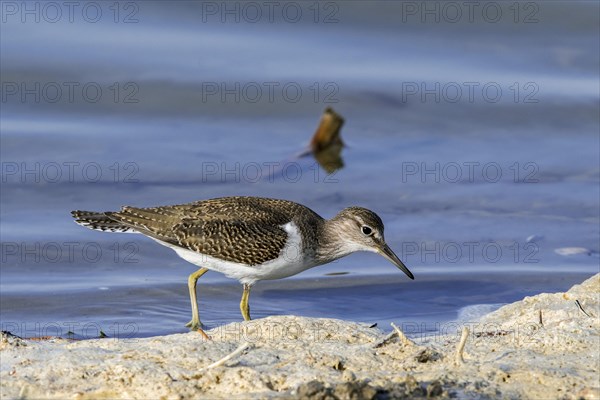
column 360, row 229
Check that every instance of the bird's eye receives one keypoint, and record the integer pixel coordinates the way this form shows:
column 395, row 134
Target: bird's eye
column 366, row 230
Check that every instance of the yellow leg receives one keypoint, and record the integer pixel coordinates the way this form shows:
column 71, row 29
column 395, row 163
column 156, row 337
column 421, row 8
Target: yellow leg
column 244, row 306
column 195, row 323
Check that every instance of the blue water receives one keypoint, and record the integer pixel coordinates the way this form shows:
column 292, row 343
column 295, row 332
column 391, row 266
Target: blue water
column 477, row 142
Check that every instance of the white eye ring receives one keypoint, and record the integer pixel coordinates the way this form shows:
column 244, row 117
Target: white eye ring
column 366, row 230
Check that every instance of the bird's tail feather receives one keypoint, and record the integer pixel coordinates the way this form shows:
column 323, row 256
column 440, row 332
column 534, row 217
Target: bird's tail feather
column 100, row 221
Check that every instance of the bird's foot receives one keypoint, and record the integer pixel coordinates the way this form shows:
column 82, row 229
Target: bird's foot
column 194, row 325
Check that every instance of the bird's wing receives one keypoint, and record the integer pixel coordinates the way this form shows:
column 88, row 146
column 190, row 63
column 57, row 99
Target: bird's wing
column 248, row 237
column 247, row 242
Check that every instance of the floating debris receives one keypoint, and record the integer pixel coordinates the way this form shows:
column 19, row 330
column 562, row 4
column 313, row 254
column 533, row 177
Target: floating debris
column 571, row 251
column 326, row 144
column 534, row 238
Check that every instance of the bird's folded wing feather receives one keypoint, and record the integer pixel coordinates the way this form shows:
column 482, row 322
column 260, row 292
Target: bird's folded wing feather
column 246, row 242
column 252, row 240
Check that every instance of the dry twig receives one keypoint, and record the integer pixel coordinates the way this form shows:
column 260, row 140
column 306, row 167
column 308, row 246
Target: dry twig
column 581, row 308
column 461, row 346
column 402, row 336
column 228, row 357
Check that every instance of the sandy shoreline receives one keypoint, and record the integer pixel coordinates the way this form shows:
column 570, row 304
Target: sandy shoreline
column 545, row 346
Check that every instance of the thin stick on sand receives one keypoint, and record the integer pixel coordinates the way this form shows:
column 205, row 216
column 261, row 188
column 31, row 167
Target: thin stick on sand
column 385, row 340
column 461, row 346
column 204, row 335
column 228, row 357
column 402, row 336
column 581, row 308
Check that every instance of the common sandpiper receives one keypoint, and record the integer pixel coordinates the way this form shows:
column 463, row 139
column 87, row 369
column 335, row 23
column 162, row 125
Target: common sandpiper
column 249, row 238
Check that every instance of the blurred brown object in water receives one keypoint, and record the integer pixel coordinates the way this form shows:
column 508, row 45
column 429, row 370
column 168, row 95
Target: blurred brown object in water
column 326, row 144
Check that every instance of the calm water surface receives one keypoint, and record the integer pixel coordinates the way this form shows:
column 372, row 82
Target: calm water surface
column 478, row 190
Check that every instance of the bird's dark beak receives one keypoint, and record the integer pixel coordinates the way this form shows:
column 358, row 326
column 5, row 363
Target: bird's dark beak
column 393, row 258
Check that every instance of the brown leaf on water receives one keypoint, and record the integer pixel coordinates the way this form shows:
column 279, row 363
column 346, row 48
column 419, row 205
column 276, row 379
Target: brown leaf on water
column 326, row 144
column 328, row 131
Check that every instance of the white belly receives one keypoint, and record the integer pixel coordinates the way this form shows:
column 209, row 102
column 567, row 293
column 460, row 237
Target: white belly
column 290, row 261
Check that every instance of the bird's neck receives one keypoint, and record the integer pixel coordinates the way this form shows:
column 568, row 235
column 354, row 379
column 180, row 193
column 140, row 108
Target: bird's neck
column 332, row 244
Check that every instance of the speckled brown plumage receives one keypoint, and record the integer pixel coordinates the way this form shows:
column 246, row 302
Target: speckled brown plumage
column 239, row 229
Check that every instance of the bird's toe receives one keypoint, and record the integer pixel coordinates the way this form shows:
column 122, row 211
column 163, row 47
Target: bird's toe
column 194, row 325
